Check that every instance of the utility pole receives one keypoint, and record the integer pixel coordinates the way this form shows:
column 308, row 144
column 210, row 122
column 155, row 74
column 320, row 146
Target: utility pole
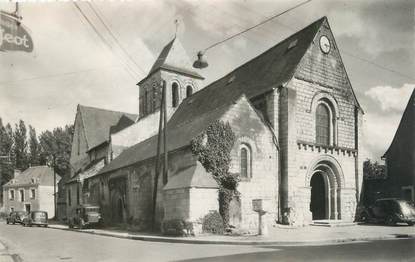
column 54, row 186
column 157, row 166
column 165, row 165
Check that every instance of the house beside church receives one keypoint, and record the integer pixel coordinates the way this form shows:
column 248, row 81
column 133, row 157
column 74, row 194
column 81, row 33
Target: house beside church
column 298, row 129
column 31, row 190
column 400, row 157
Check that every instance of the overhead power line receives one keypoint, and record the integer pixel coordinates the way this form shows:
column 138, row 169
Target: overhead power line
column 254, row 26
column 53, row 75
column 346, row 52
column 101, row 17
column 129, row 70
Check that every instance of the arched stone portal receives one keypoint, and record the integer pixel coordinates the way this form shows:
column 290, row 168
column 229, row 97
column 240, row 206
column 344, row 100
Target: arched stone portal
column 325, row 177
column 318, row 201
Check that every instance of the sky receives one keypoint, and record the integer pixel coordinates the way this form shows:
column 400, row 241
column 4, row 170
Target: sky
column 94, row 53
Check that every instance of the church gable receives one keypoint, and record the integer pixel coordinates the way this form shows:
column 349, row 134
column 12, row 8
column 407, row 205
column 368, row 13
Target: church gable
column 321, row 76
column 79, row 142
column 322, row 64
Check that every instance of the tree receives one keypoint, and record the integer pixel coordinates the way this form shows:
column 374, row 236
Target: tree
column 20, row 145
column 373, row 170
column 57, row 144
column 6, row 154
column 34, row 147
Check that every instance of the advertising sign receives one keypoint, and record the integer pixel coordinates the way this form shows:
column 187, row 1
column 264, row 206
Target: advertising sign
column 13, row 35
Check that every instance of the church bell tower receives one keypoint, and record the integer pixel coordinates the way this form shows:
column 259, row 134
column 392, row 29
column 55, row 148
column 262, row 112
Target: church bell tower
column 173, row 66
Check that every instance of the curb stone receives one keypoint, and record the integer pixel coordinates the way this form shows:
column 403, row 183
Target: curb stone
column 236, row 242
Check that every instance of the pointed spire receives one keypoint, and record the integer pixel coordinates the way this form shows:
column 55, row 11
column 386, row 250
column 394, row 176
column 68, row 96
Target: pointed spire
column 174, row 57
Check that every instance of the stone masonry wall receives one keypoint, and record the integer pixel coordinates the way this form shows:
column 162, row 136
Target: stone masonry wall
column 300, row 198
column 251, row 131
column 319, row 72
column 318, row 75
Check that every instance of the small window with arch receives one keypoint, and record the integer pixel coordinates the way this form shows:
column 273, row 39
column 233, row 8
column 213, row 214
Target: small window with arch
column 174, row 94
column 189, row 91
column 245, row 162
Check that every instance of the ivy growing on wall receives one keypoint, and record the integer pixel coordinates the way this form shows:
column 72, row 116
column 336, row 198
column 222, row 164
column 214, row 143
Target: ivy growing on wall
column 212, row 148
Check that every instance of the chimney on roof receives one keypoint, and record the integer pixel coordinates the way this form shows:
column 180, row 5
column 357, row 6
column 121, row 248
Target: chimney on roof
column 16, row 173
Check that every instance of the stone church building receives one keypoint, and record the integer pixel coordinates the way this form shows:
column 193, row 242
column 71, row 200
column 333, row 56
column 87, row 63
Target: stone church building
column 298, row 128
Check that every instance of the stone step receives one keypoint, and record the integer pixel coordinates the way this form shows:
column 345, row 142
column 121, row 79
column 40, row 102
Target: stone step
column 332, row 223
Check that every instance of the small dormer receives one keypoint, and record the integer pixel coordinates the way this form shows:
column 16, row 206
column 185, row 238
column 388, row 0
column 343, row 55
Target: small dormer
column 173, row 66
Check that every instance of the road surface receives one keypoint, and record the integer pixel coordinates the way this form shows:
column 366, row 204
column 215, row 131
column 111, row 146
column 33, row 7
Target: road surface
column 45, row 244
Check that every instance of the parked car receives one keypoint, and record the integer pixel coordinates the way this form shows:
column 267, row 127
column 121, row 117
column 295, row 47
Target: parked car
column 16, row 217
column 37, row 218
column 389, row 211
column 86, row 216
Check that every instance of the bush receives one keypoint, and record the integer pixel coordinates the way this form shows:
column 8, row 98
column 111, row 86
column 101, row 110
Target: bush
column 213, row 223
column 177, row 227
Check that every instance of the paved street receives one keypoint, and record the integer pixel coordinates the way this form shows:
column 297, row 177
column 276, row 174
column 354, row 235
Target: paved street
column 45, row 244
column 385, row 250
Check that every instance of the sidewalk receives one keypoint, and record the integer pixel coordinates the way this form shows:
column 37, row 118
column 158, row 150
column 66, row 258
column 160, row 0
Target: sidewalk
column 278, row 235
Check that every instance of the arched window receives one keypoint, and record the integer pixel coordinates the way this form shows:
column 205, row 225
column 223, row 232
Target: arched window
column 174, row 95
column 322, row 124
column 245, row 165
column 189, row 91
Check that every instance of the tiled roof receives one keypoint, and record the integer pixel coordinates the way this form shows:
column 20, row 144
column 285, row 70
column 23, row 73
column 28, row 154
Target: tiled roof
column 191, row 176
column 123, row 123
column 40, row 174
column 179, row 135
column 260, row 75
column 173, row 57
column 263, row 73
column 407, row 121
column 97, row 123
column 89, row 171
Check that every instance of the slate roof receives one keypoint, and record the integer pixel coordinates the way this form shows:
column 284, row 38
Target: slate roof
column 180, row 136
column 262, row 74
column 89, row 171
column 123, row 123
column 97, row 123
column 407, row 121
column 173, row 57
column 191, row 176
column 43, row 175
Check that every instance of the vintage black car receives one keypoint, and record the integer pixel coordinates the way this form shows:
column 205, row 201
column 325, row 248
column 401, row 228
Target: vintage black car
column 36, row 218
column 16, row 217
column 85, row 216
column 389, row 211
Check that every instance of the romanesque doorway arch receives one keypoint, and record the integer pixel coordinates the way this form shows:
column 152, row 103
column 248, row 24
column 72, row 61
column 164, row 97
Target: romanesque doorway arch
column 318, row 197
column 325, row 179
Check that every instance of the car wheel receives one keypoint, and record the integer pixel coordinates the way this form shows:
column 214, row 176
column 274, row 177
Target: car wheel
column 410, row 223
column 7, row 221
column 70, row 224
column 364, row 217
column 390, row 221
